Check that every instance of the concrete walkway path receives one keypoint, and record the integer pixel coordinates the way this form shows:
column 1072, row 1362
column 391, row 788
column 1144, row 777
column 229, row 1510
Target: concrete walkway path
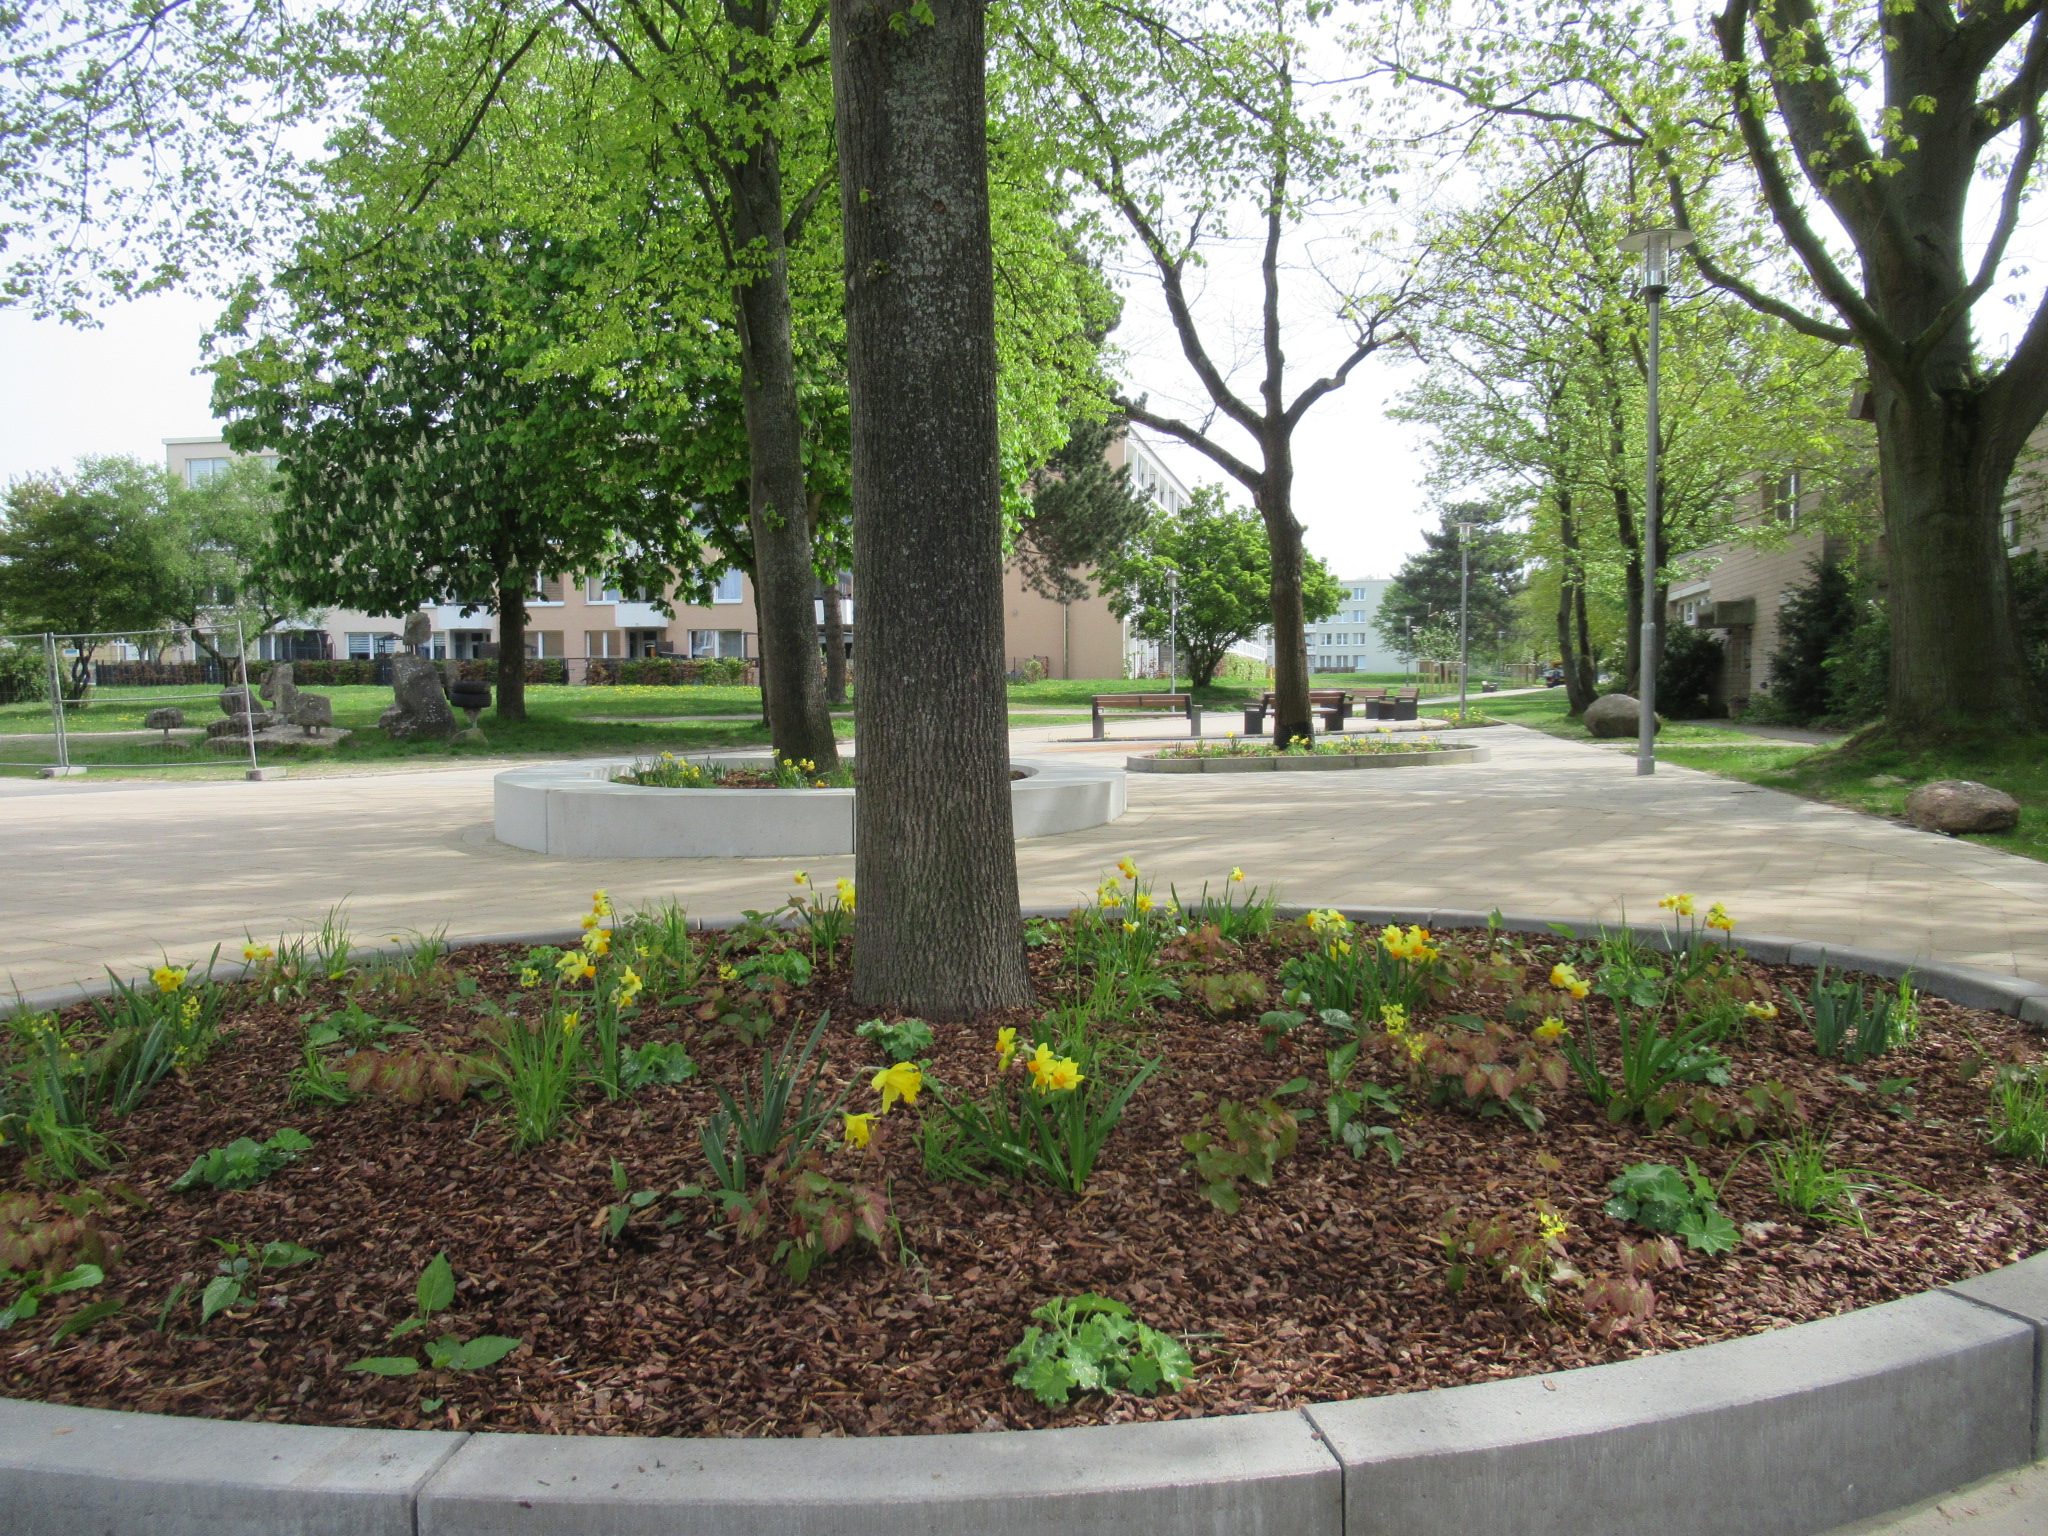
column 116, row 874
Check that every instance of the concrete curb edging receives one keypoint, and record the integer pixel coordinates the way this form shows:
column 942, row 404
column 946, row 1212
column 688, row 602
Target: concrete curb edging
column 1333, row 762
column 576, row 811
column 1787, row 1433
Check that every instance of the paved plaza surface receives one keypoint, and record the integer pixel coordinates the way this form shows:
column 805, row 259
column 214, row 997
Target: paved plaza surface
column 97, row 874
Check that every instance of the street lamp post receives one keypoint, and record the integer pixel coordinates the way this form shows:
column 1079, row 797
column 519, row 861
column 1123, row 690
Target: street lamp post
column 1656, row 247
column 1464, row 596
column 1172, row 630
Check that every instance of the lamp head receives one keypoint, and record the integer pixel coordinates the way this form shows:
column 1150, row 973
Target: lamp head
column 1657, row 246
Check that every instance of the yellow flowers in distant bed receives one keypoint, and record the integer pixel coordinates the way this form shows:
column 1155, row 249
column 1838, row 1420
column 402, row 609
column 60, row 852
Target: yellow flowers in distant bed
column 630, row 986
column 168, row 978
column 1054, row 1074
column 1413, row 946
column 902, row 1081
column 1006, row 1048
column 1236, row 875
column 1679, row 902
column 1565, row 979
column 860, row 1129
column 1764, row 1011
column 1328, row 923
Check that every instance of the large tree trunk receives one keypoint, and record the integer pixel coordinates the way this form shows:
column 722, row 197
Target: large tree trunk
column 511, row 702
column 1573, row 640
column 835, row 642
column 1956, row 661
column 794, row 695
column 939, row 932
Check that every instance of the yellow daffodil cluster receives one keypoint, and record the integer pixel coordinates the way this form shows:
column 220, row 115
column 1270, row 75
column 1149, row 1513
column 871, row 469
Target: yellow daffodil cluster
column 902, row 1081
column 1717, row 917
column 1549, row 1029
column 529, row 977
column 256, row 954
column 1679, row 902
column 598, row 942
column 1328, row 923
column 1053, row 1074
column 1006, row 1048
column 1413, row 946
column 844, row 888
column 1142, row 901
column 601, row 903
column 1236, row 875
column 1763, row 1011
column 860, row 1129
column 1565, row 979
column 1109, row 894
column 1127, row 869
column 575, row 966
column 168, row 978
column 630, row 986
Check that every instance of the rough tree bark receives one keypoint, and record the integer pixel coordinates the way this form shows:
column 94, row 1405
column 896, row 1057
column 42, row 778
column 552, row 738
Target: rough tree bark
column 1574, row 642
column 939, row 933
column 835, row 642
column 511, row 700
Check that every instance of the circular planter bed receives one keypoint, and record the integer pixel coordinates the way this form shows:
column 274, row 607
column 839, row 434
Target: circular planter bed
column 1237, row 758
column 579, row 811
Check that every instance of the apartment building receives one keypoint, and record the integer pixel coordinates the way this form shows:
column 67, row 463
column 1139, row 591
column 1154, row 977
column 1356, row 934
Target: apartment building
column 1346, row 640
column 579, row 619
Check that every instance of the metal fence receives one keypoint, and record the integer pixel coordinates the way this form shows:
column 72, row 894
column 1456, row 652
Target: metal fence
column 81, row 690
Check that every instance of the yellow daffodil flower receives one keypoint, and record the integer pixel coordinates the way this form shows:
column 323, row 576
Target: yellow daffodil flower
column 256, row 954
column 1129, row 926
column 1565, row 979
column 845, row 890
column 168, row 978
column 1054, row 1074
column 1006, row 1048
column 601, row 903
column 1142, row 902
column 1717, row 917
column 570, row 1020
column 1679, row 902
column 529, row 977
column 575, row 966
column 598, row 941
column 1413, row 945
column 630, row 985
column 860, row 1129
column 589, row 920
column 1111, row 894
column 1328, row 923
column 1236, row 874
column 801, row 878
column 1764, row 1011
column 1549, row 1029
column 902, row 1081
column 1127, row 869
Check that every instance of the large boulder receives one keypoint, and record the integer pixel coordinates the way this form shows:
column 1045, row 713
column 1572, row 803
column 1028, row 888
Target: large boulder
column 1616, row 714
column 312, row 712
column 419, row 708
column 1962, row 805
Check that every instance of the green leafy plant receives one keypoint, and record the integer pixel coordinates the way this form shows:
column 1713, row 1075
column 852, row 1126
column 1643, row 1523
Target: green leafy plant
column 1804, row 1182
column 433, row 1293
column 817, row 1215
column 242, row 1270
column 1352, row 1112
column 1249, row 1142
column 315, row 1081
column 1035, row 1129
column 1240, row 918
column 537, row 1065
column 1623, row 1302
column 245, row 1162
column 763, row 1121
column 1647, row 1062
column 1525, row 1250
column 1659, row 1197
column 33, row 1290
column 616, row 1217
column 1850, row 1022
column 656, row 1062
column 1091, row 1343
column 2017, row 1118
column 902, row 1040
column 1478, row 1065
column 356, row 1026
column 1230, row 993
column 44, row 1254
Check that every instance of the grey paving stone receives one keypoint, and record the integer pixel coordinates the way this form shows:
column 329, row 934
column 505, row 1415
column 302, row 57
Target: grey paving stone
column 85, row 1472
column 1782, row 1434
column 1246, row 1475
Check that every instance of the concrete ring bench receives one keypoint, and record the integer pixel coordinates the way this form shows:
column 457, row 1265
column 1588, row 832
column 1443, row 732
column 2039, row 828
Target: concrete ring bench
column 1787, row 1433
column 577, row 811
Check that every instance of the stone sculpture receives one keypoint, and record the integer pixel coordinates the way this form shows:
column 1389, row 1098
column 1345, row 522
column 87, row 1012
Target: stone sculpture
column 419, row 629
column 279, row 689
column 312, row 712
column 166, row 719
column 418, row 708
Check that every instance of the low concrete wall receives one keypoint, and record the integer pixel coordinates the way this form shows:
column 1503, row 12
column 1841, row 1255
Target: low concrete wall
column 1787, row 1433
column 1321, row 763
column 577, row 811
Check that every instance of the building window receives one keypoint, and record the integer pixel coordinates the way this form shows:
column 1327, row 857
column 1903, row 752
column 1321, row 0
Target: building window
column 546, row 589
column 731, row 588
column 199, row 471
column 1781, row 499
column 361, row 647
column 718, row 642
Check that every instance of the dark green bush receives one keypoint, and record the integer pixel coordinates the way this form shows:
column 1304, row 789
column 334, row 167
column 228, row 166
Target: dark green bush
column 1687, row 672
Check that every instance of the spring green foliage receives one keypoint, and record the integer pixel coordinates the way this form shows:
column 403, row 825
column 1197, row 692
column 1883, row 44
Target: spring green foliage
column 1849, row 1021
column 1248, row 1143
column 241, row 1272
column 1658, row 1196
column 433, row 1294
column 900, row 1040
column 1091, row 1343
column 28, row 1300
column 1353, row 1110
column 1224, row 565
column 2016, row 1120
column 1804, row 1180
column 245, row 1162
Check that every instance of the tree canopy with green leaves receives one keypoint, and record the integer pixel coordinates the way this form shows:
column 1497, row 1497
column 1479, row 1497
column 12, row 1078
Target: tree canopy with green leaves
column 424, row 459
column 1429, row 582
column 1083, row 513
column 1223, row 567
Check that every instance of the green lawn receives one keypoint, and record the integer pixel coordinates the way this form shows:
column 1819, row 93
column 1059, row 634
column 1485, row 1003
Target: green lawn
column 1872, row 779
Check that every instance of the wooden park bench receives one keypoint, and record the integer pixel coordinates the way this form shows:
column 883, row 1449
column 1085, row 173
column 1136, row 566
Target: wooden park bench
column 1333, row 704
column 1148, row 704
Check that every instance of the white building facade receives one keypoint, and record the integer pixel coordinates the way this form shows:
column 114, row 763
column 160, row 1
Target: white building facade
column 1346, row 641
